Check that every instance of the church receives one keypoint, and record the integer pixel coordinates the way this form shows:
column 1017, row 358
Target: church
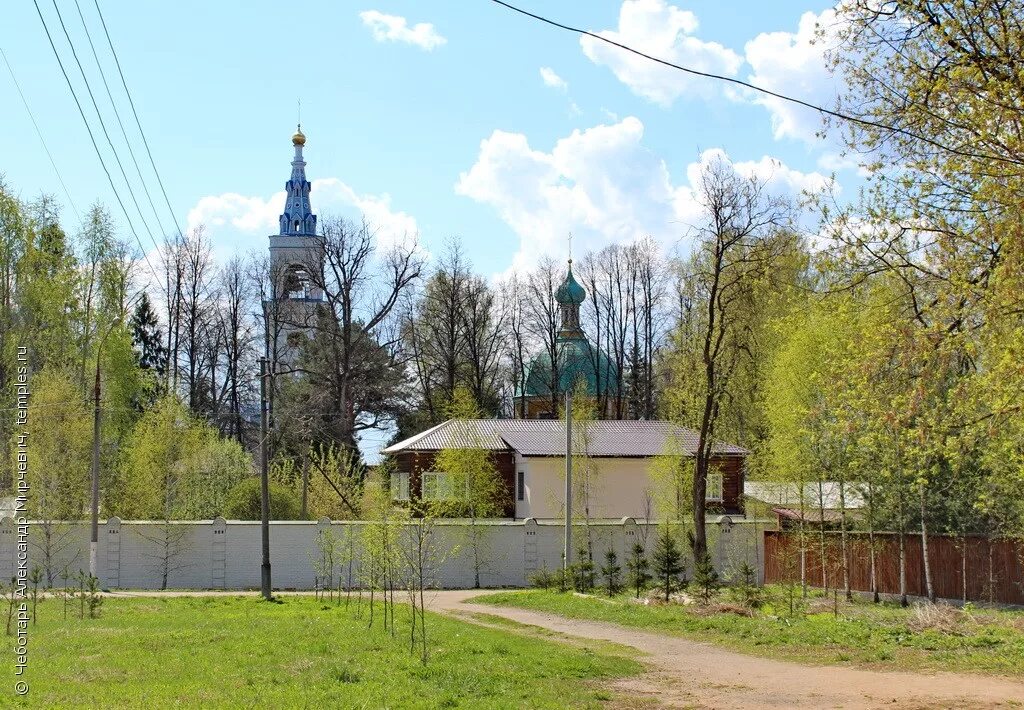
column 578, row 364
column 528, row 450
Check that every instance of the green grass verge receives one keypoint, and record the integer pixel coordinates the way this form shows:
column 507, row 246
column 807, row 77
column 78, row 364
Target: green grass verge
column 242, row 652
column 882, row 636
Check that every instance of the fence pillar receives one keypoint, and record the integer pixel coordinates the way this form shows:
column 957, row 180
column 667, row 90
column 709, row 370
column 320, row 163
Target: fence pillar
column 630, row 536
column 7, row 544
column 529, row 549
column 218, row 553
column 113, row 537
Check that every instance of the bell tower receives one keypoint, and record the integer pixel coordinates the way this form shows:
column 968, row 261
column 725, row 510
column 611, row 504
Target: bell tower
column 296, row 260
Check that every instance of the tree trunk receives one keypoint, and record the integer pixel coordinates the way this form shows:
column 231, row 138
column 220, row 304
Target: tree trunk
column 929, row 589
column 844, row 549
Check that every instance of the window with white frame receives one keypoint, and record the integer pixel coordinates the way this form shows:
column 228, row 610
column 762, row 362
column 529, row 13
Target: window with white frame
column 714, row 488
column 399, row 485
column 436, row 486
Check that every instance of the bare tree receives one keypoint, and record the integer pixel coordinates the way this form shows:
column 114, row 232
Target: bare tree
column 197, row 319
column 355, row 357
column 516, row 342
column 482, row 325
column 542, row 319
column 738, row 243
column 237, row 329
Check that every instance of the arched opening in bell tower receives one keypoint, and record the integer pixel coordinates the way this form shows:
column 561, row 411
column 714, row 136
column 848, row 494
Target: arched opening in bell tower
column 296, row 282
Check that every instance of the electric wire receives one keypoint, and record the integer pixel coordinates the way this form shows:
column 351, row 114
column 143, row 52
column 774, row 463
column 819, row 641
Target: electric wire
column 739, row 82
column 39, row 133
column 138, row 123
column 117, row 115
column 103, row 124
column 92, row 138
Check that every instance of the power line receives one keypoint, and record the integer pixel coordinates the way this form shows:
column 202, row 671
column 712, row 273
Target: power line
column 767, row 92
column 103, row 125
column 92, row 138
column 117, row 115
column 39, row 133
column 137, row 122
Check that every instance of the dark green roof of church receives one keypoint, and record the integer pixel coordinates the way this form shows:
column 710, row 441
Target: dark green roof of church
column 577, row 360
column 570, row 291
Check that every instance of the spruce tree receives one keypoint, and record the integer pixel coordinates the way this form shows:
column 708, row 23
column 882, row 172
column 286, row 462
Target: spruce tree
column 668, row 562
column 705, row 578
column 147, row 337
column 637, row 566
column 611, row 571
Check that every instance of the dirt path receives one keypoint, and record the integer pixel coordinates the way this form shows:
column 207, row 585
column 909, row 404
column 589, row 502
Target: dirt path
column 691, row 674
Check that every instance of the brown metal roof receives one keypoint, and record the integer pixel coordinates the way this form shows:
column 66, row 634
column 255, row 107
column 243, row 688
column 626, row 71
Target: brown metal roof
column 540, row 437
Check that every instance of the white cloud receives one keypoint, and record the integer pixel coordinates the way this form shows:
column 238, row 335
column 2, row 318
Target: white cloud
column 666, row 32
column 550, row 78
column 393, row 28
column 258, row 215
column 794, row 63
column 602, row 184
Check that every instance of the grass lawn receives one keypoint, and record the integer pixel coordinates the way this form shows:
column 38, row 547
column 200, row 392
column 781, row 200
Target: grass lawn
column 883, row 636
column 242, row 652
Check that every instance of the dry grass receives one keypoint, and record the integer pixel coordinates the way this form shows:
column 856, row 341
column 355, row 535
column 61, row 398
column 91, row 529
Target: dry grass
column 715, row 608
column 940, row 617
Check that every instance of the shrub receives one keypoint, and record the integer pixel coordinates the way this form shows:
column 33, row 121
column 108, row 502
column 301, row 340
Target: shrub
column 705, row 578
column 584, row 572
column 542, row 579
column 668, row 563
column 244, row 502
column 611, row 571
column 637, row 575
column 750, row 594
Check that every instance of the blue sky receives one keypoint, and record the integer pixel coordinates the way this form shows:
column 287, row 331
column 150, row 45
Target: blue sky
column 434, row 118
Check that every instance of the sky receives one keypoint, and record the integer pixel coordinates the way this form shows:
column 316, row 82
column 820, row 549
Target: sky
column 436, row 120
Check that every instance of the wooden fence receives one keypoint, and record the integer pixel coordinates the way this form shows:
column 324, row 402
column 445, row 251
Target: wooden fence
column 970, row 569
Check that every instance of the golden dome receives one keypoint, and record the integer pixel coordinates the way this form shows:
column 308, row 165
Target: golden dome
column 299, row 138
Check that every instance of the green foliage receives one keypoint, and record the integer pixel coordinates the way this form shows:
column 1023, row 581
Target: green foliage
column 59, row 447
column 611, row 571
column 175, row 466
column 480, row 492
column 637, row 565
column 148, row 339
column 543, row 579
column 750, row 593
column 667, row 562
column 705, row 578
column 244, row 502
column 583, row 572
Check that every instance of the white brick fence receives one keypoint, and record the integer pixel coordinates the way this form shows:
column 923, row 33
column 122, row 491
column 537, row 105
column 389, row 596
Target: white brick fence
column 220, row 554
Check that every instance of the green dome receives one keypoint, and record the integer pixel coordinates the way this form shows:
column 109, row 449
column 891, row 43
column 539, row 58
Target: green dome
column 570, row 292
column 577, row 360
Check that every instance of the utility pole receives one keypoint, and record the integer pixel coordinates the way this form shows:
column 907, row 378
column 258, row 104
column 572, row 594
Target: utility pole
column 567, row 557
column 264, row 486
column 94, row 539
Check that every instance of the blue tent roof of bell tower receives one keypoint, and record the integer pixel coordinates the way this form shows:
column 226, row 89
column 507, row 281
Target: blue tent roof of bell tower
column 297, row 218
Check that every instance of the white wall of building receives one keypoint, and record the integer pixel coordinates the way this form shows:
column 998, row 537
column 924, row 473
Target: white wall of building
column 617, row 487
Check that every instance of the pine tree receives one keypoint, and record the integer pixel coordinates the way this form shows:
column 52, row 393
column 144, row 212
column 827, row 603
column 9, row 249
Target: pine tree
column 668, row 562
column 611, row 571
column 147, row 338
column 585, row 572
column 705, row 578
column 637, row 565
